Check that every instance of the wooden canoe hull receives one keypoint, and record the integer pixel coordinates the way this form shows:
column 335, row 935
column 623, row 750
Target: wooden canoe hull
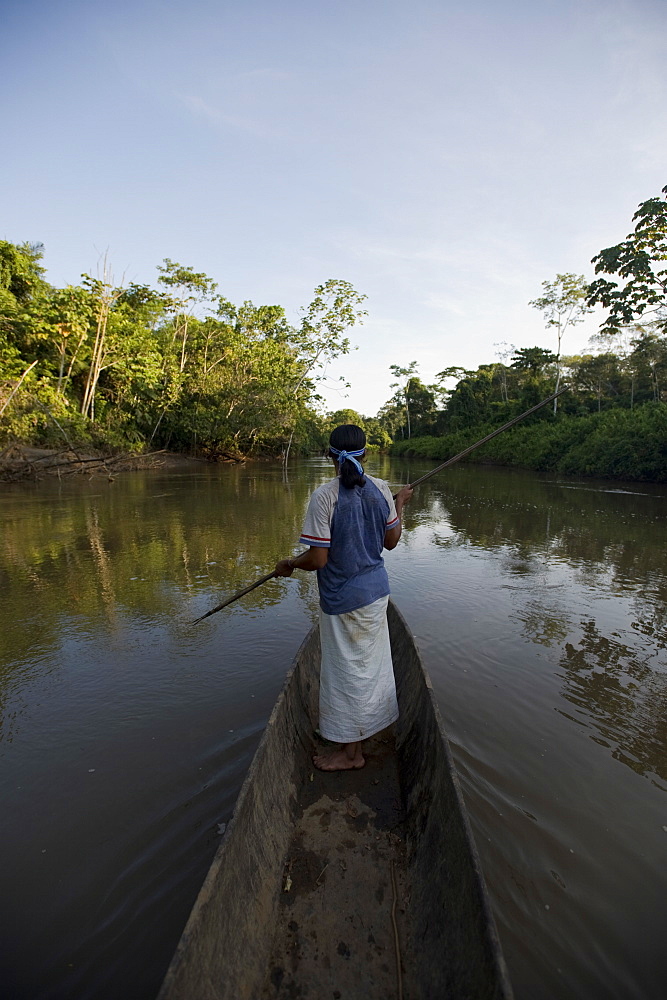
column 447, row 941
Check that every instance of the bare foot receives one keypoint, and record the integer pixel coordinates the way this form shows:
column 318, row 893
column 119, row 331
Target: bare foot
column 339, row 760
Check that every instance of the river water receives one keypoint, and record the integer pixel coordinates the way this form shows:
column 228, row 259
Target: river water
column 539, row 607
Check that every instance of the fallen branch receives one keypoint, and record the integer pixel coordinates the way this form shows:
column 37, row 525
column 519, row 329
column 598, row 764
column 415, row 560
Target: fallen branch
column 16, row 388
column 19, row 465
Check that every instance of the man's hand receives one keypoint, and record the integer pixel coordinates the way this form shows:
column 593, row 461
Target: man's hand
column 403, row 496
column 311, row 559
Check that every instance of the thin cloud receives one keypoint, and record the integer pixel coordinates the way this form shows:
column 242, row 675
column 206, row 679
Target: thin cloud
column 216, row 116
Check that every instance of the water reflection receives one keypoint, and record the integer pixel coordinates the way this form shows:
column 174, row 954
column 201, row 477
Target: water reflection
column 535, row 519
column 542, row 609
column 617, row 690
column 544, row 625
column 552, row 539
column 88, row 556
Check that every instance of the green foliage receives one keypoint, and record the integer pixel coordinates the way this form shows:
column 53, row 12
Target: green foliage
column 377, row 438
column 340, row 417
column 20, row 271
column 533, row 359
column 597, row 376
column 412, row 409
column 136, row 367
column 612, row 422
column 639, row 261
column 563, row 303
column 403, row 376
column 333, row 311
column 620, row 444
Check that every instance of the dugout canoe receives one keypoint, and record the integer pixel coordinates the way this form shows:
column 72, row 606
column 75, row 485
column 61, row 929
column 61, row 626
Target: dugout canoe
column 358, row 885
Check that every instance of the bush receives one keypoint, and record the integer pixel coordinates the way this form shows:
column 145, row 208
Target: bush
column 617, row 444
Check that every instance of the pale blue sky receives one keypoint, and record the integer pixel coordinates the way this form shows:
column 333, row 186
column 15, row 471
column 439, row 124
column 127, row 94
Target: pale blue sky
column 444, row 157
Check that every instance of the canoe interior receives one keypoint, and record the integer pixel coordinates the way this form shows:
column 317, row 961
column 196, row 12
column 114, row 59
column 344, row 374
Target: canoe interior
column 299, row 899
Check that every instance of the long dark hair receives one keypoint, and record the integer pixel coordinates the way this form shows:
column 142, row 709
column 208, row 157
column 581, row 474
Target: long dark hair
column 348, row 437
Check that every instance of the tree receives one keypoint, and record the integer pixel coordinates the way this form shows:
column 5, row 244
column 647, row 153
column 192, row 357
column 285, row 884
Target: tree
column 132, row 371
column 68, row 311
column 649, row 361
column 412, row 408
column 345, row 416
column 637, row 260
column 470, row 402
column 104, row 295
column 504, row 352
column 421, row 401
column 321, row 336
column 454, row 372
column 402, row 387
column 20, row 270
column 20, row 280
column 532, row 359
column 376, row 435
column 236, row 394
column 563, row 304
column 121, row 365
column 189, row 289
column 391, row 416
column 599, row 374
column 444, row 395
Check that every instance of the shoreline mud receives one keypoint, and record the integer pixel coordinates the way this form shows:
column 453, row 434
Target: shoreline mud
column 24, row 463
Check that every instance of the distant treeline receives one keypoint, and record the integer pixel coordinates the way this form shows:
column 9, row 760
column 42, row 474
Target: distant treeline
column 136, row 368
column 613, row 419
column 611, row 422
column 615, row 443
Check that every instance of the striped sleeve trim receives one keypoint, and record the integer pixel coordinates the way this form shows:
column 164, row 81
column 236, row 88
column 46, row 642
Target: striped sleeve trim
column 392, row 524
column 314, row 542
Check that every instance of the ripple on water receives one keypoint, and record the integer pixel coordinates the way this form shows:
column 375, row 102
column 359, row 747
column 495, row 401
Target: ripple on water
column 539, row 609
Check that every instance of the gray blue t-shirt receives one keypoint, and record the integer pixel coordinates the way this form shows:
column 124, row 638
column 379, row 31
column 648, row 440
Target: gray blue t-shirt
column 352, row 525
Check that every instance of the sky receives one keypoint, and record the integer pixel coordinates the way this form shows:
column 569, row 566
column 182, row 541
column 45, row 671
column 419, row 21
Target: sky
column 444, row 157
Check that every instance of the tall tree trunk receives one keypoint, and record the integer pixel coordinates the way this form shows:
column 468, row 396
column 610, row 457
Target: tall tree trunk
column 557, row 384
column 184, row 340
column 287, row 450
column 560, row 335
column 107, row 297
column 88, row 404
column 159, row 421
column 61, row 369
column 74, row 356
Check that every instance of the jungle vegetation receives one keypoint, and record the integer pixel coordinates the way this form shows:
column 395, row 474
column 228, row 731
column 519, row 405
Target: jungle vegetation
column 178, row 366
column 613, row 420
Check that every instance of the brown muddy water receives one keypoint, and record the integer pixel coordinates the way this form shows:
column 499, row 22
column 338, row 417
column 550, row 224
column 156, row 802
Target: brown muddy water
column 539, row 607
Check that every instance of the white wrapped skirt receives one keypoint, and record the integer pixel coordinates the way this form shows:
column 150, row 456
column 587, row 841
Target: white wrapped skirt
column 357, row 689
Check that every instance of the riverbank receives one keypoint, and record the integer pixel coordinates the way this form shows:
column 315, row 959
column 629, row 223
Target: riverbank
column 614, row 444
column 21, row 463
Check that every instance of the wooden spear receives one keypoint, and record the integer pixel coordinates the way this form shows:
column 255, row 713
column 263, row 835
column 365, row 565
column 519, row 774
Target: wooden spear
column 235, row 597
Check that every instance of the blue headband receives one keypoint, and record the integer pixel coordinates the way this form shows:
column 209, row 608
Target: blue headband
column 342, row 455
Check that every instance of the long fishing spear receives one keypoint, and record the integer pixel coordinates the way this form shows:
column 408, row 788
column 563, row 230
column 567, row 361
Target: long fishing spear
column 417, row 482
